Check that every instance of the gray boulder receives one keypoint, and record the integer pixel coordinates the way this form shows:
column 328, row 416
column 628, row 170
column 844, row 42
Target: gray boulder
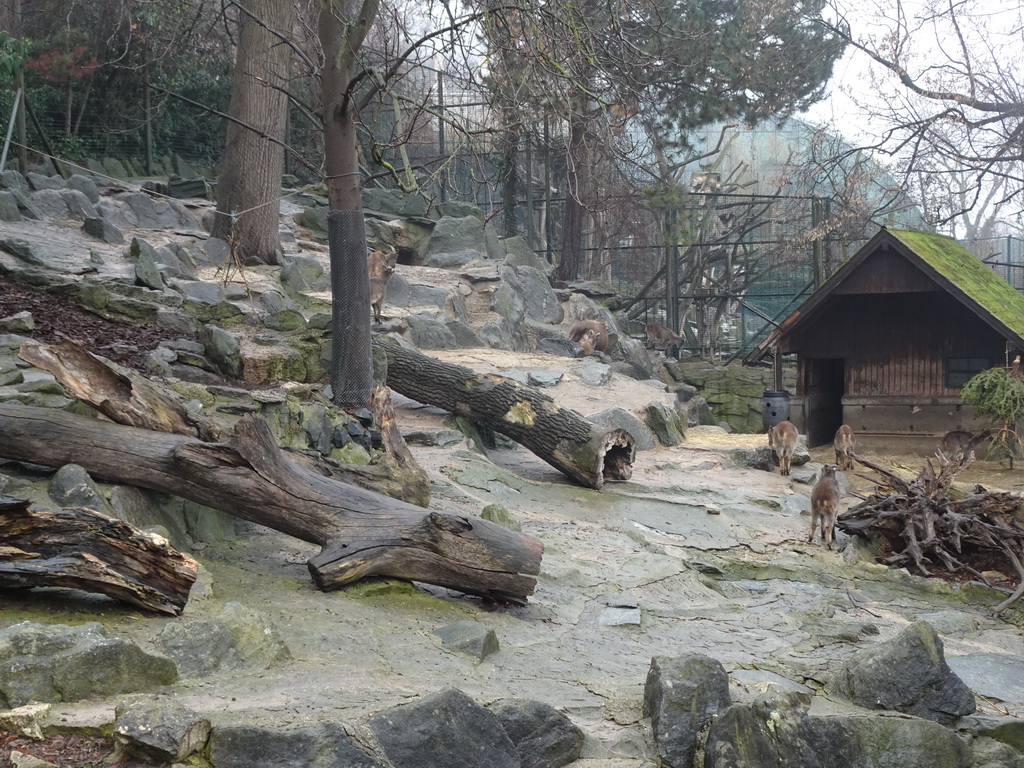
column 213, row 253
column 496, row 513
column 259, row 746
column 470, row 638
column 459, row 208
column 451, row 259
column 989, row 753
column 158, row 728
column 86, row 186
column 146, row 272
column 25, row 206
column 13, row 180
column 465, row 337
column 997, row 676
column 19, row 322
column 544, row 737
column 444, row 730
column 765, row 459
column 540, row 300
column 635, row 353
column 50, row 663
column 907, row 674
column 453, row 234
column 680, row 696
column 50, row 203
column 71, row 486
column 620, row 418
column 79, row 206
column 592, row 372
column 117, row 213
column 497, row 335
column 301, row 274
column 159, row 213
column 234, row 638
column 9, row 210
column 519, row 254
column 434, row 437
column 181, row 521
column 38, row 181
column 665, row 424
column 199, row 292
column 510, row 304
column 223, row 349
column 776, row 734
column 560, row 346
column 430, row 333
column 426, row 295
column 103, row 230
column 394, row 202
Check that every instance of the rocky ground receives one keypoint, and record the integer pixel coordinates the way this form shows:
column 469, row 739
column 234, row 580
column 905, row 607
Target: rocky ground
column 697, row 553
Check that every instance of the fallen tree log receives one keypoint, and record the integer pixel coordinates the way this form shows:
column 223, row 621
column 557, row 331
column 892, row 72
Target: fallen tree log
column 119, row 394
column 80, row 548
column 125, row 397
column 926, row 526
column 560, row 436
column 361, row 533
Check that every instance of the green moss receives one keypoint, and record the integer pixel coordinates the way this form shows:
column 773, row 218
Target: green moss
column 223, row 313
column 961, row 268
column 496, row 513
column 194, row 392
column 351, row 453
column 521, row 412
column 286, row 368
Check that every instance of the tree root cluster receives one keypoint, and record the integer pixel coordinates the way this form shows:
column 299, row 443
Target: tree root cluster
column 930, row 522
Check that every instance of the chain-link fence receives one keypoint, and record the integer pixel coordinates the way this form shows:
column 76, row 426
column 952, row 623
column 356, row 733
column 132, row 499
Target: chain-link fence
column 1005, row 255
column 721, row 269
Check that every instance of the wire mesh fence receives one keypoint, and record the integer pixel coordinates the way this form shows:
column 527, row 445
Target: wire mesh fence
column 720, row 269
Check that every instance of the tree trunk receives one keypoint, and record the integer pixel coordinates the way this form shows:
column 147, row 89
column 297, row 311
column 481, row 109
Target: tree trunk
column 249, row 185
column 510, row 141
column 571, row 258
column 82, row 549
column 361, row 533
column 562, row 437
column 341, row 32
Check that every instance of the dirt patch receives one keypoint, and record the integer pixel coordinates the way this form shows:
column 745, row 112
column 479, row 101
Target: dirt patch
column 56, row 320
column 65, row 750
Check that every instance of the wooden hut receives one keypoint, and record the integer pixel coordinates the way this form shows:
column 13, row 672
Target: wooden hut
column 887, row 342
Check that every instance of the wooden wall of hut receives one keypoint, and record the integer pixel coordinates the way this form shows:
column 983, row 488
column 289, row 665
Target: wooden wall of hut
column 895, row 344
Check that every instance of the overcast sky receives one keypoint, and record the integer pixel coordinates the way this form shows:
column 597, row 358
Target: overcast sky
column 993, row 30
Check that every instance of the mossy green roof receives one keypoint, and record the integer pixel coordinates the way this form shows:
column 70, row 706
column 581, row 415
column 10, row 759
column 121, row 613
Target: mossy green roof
column 966, row 272
column 942, row 258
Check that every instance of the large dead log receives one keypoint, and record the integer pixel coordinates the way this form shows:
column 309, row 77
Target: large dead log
column 118, row 393
column 560, row 436
column 127, row 398
column 361, row 533
column 83, row 549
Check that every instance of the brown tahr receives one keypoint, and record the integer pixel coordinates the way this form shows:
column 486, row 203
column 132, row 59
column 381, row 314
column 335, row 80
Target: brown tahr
column 782, row 438
column 844, row 443
column 825, row 505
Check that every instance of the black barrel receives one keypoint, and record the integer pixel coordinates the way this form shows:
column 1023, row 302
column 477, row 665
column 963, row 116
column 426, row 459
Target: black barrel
column 774, row 407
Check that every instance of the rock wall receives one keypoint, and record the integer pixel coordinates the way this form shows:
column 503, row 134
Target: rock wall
column 732, row 391
column 894, row 704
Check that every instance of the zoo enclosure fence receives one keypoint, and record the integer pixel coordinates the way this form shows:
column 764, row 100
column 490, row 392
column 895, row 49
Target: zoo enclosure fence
column 733, row 267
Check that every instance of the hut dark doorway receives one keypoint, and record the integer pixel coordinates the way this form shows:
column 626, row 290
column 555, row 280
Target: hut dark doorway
column 823, row 399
